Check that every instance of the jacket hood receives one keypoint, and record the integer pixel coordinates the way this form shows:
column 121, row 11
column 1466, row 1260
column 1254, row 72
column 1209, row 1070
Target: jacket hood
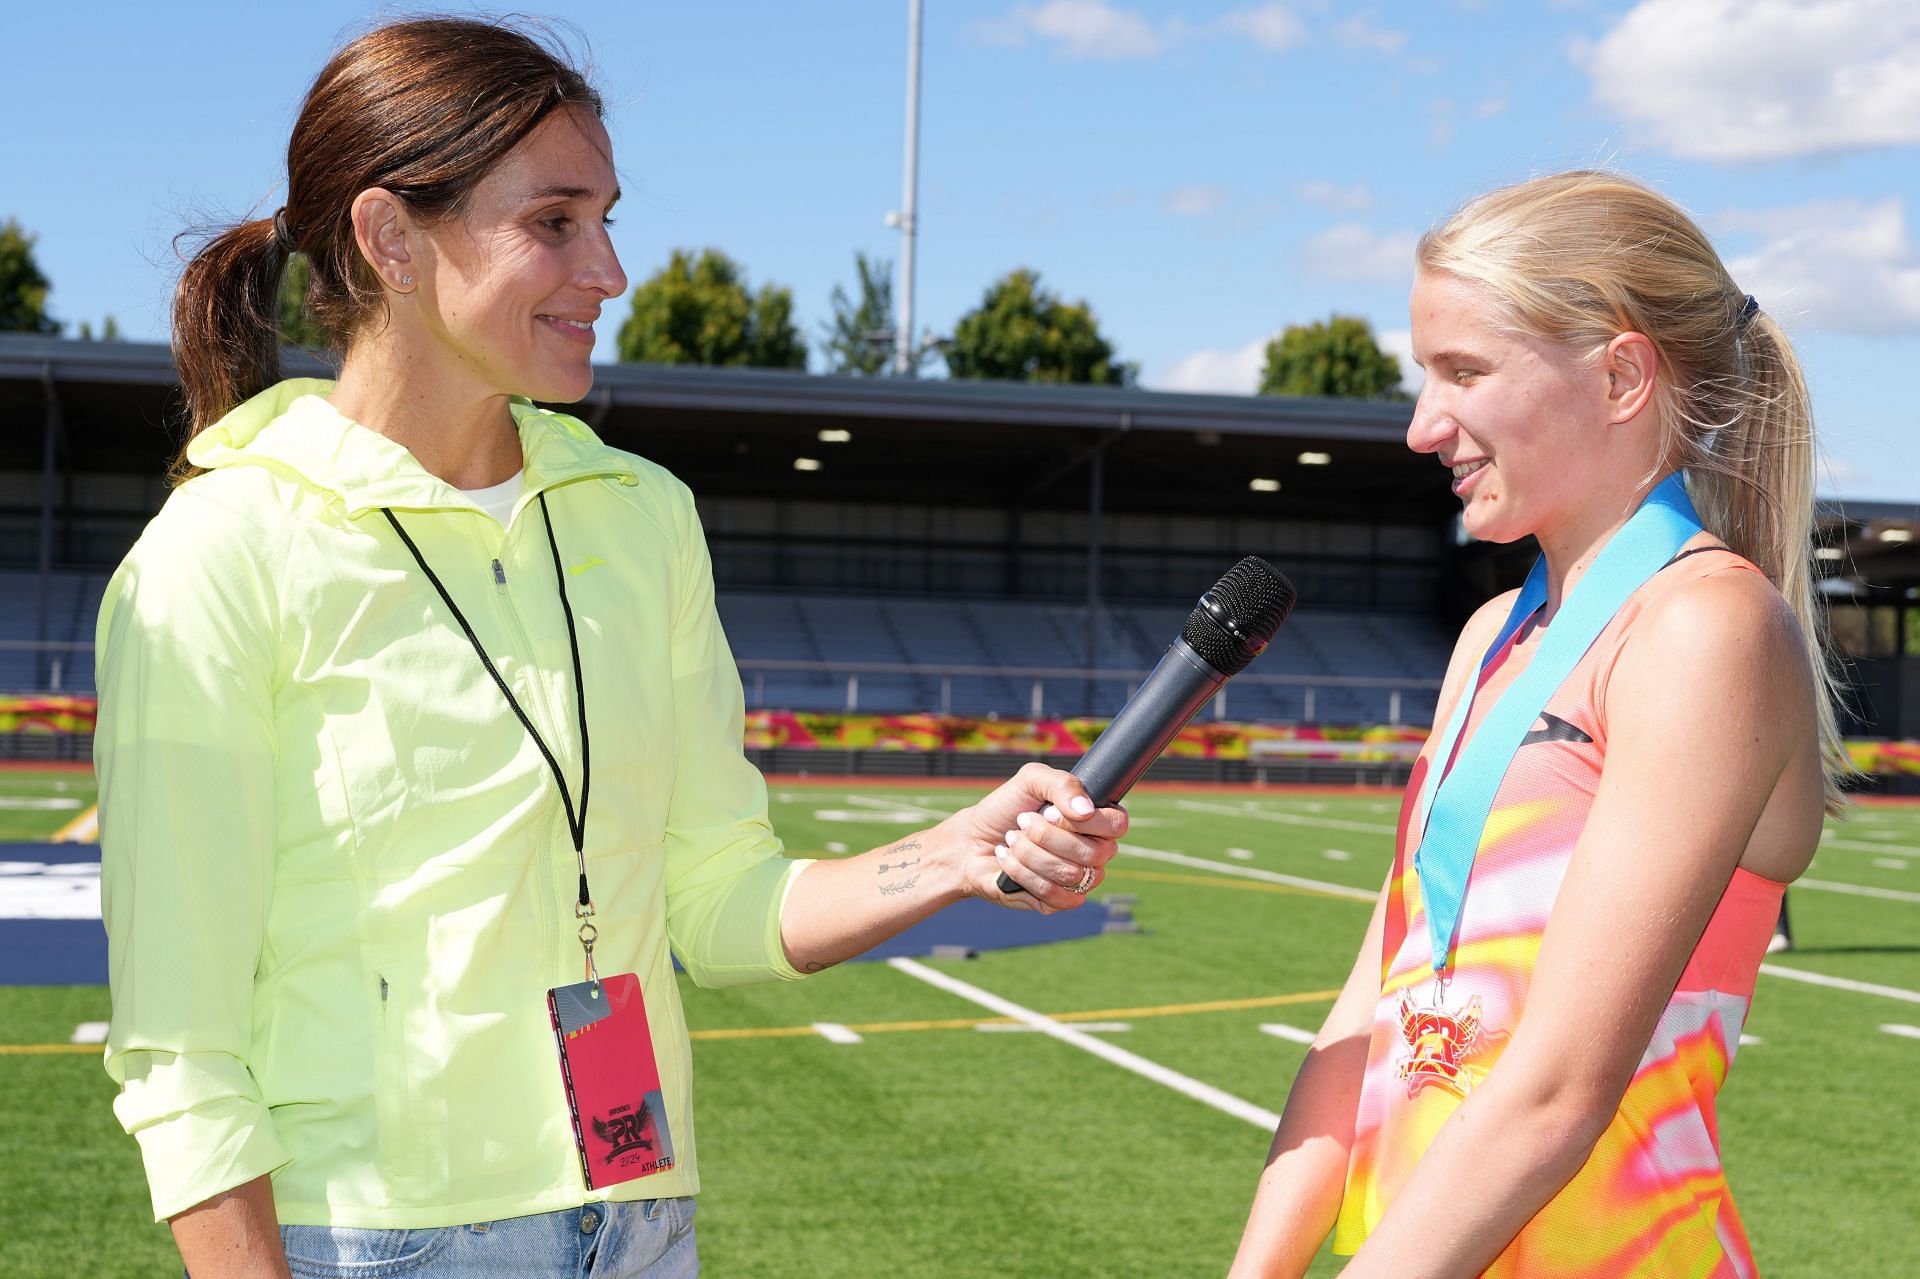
column 292, row 427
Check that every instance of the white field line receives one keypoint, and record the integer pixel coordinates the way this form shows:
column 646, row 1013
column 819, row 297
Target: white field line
column 1841, row 983
column 1857, row 890
column 896, row 806
column 1292, row 1034
column 1890, row 863
column 1206, row 1094
column 1287, row 819
column 895, row 816
column 1749, row 1040
column 1090, row 1027
column 89, row 1032
column 1905, row 1032
column 1855, row 846
column 1249, row 872
column 834, row 1033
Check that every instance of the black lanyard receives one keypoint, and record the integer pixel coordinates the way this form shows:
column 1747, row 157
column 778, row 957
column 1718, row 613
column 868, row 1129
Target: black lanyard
column 576, row 823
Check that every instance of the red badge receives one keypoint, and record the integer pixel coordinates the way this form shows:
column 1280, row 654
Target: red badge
column 612, row 1079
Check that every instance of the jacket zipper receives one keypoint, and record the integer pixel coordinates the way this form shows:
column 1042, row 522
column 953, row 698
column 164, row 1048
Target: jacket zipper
column 549, row 900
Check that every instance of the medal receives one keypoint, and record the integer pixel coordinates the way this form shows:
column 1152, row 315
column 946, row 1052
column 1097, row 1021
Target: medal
column 1437, row 1042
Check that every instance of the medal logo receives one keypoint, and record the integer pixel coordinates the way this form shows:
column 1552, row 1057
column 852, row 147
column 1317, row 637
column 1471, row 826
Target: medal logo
column 1437, row 1044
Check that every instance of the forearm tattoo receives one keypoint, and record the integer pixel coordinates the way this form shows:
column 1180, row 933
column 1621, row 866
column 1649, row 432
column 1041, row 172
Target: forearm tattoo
column 894, row 887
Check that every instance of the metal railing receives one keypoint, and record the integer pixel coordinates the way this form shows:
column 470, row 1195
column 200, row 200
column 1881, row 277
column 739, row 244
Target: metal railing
column 1115, row 685
column 51, row 672
column 1045, row 689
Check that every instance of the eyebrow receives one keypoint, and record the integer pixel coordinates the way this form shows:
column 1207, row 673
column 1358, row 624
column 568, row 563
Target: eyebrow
column 1450, row 357
column 569, row 193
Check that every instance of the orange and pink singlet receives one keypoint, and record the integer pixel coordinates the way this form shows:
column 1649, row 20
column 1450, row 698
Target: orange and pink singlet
column 1651, row 1199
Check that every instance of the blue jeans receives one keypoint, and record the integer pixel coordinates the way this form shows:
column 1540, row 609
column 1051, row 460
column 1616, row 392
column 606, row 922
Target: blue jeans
column 645, row 1239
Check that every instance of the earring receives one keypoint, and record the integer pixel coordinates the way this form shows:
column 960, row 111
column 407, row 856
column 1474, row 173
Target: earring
column 406, row 279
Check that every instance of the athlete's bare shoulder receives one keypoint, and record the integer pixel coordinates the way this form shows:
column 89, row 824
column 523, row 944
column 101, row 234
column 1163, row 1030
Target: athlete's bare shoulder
column 1471, row 646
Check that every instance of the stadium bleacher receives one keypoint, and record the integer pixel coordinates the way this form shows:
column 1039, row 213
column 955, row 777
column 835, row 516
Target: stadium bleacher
column 73, row 603
column 969, row 657
column 976, row 657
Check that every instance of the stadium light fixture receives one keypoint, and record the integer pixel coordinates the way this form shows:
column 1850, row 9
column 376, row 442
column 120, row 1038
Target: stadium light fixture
column 835, row 435
column 1896, row 535
column 1828, row 553
column 1264, row 485
column 806, row 463
column 1316, row 459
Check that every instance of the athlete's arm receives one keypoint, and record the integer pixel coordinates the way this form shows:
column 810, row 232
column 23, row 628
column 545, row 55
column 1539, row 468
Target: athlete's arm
column 1299, row 1193
column 1707, row 706
column 233, row 1235
column 1300, row 1189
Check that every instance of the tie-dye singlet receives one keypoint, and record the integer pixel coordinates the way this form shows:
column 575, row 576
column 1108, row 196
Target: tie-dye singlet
column 1651, row 1199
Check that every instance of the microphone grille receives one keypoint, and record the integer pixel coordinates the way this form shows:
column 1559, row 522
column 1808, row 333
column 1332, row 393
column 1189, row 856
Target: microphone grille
column 1240, row 615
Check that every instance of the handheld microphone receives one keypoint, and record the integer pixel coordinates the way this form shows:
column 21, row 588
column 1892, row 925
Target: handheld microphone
column 1233, row 623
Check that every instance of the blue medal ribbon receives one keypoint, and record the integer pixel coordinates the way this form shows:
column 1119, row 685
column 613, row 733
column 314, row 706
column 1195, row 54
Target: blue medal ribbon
column 1457, row 800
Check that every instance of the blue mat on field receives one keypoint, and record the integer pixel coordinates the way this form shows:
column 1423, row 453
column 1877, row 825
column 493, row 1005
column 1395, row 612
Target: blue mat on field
column 50, row 932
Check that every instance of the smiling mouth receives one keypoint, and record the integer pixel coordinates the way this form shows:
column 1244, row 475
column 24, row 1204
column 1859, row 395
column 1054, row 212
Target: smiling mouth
column 1462, row 470
column 585, row 326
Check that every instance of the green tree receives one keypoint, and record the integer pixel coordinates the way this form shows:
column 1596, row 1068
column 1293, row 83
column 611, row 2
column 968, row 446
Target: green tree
column 109, row 330
column 699, row 311
column 296, row 322
column 23, row 290
column 854, row 337
column 1337, row 357
column 1023, row 333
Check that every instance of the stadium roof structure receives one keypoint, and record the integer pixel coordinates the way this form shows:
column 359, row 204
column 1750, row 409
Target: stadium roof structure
column 113, row 407
column 741, row 431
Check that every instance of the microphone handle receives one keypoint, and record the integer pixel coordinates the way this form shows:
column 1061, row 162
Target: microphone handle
column 1176, row 690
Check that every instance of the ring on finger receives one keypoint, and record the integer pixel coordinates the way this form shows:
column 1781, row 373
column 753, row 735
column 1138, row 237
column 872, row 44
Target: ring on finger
column 1087, row 878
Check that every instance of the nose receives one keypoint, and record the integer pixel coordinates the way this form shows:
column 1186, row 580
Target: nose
column 1431, row 426
column 603, row 273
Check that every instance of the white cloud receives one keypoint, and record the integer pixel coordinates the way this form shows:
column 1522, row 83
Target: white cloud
column 1270, row 26
column 1095, row 29
column 1399, row 344
column 1078, row 28
column 1488, row 108
column 1230, row 372
column 1762, row 79
column 1236, row 370
column 1440, row 114
column 1197, row 201
column 1839, row 266
column 1335, row 198
column 1358, row 33
column 1350, row 251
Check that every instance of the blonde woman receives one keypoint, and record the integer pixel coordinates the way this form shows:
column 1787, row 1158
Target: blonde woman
column 1632, row 758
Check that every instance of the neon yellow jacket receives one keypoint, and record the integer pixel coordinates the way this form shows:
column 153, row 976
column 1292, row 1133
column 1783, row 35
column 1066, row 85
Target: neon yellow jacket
column 336, row 874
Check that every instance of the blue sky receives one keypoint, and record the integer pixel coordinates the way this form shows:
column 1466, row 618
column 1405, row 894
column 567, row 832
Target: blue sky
column 1202, row 173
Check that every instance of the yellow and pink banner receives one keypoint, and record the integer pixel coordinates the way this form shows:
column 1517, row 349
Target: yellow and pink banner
column 49, row 714
column 817, row 730
column 771, row 730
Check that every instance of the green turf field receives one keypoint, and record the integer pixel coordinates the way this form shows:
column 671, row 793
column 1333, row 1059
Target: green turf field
column 933, row 1148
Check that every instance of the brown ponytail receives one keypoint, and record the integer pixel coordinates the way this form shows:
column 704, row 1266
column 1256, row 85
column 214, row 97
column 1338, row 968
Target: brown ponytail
column 424, row 108
column 226, row 342
column 1579, row 258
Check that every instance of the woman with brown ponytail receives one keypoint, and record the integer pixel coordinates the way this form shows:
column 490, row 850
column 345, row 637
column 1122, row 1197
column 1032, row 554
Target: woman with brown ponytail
column 1633, row 755
column 419, row 742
